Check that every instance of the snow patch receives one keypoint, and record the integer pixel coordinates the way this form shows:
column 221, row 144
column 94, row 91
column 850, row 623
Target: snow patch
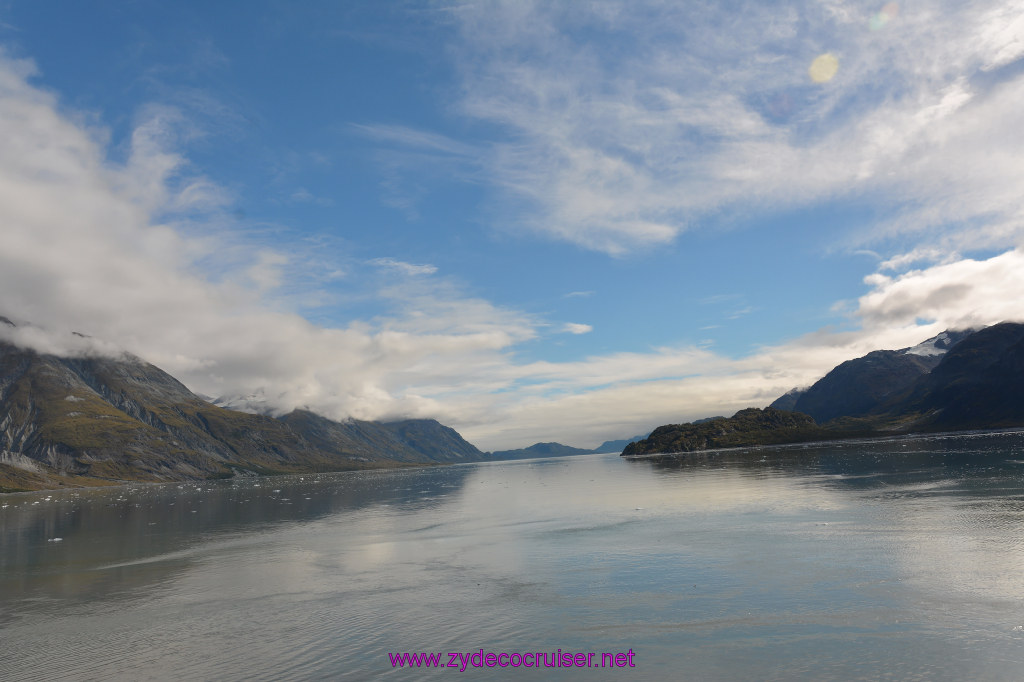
column 937, row 345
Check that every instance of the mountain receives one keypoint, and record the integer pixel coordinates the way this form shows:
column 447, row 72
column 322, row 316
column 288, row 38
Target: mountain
column 435, row 441
column 541, row 450
column 616, row 445
column 858, row 387
column 93, row 420
column 411, row 441
column 559, row 450
column 978, row 384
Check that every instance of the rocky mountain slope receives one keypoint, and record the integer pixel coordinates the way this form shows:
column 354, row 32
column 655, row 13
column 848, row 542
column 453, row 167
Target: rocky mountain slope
column 92, row 420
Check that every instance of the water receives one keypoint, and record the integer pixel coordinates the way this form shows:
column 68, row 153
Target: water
column 893, row 560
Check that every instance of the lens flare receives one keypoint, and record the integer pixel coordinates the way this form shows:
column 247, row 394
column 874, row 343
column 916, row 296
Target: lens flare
column 884, row 16
column 823, row 68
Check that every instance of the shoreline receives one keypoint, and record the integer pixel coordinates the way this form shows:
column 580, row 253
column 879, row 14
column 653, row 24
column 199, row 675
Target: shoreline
column 820, row 443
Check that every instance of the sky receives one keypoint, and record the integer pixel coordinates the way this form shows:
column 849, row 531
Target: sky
column 532, row 221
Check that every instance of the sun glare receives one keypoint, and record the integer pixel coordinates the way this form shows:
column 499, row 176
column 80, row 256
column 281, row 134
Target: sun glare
column 884, row 16
column 823, row 68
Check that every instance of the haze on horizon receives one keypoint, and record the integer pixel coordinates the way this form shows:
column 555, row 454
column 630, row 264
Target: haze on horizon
column 532, row 221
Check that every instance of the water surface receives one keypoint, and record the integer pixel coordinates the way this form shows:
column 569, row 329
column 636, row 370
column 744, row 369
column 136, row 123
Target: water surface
column 886, row 560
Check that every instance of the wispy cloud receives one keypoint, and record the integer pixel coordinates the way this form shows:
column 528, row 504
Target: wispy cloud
column 405, row 136
column 403, row 267
column 412, row 160
column 301, row 195
column 719, row 298
column 629, row 123
column 740, row 312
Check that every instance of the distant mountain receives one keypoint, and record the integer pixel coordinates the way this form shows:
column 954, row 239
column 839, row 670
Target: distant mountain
column 93, row 420
column 540, row 450
column 616, row 445
column 558, row 450
column 970, row 379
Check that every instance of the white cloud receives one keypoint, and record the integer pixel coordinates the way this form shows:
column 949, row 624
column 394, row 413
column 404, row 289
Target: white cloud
column 577, row 328
column 962, row 293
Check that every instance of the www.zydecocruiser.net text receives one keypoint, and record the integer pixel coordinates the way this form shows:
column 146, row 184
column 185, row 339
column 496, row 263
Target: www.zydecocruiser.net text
column 461, row 661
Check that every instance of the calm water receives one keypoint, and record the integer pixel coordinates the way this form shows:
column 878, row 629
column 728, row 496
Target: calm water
column 895, row 560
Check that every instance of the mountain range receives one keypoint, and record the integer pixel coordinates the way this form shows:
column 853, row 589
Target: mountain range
column 958, row 380
column 95, row 420
column 559, row 450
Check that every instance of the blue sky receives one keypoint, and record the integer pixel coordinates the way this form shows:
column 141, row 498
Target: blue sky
column 529, row 220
